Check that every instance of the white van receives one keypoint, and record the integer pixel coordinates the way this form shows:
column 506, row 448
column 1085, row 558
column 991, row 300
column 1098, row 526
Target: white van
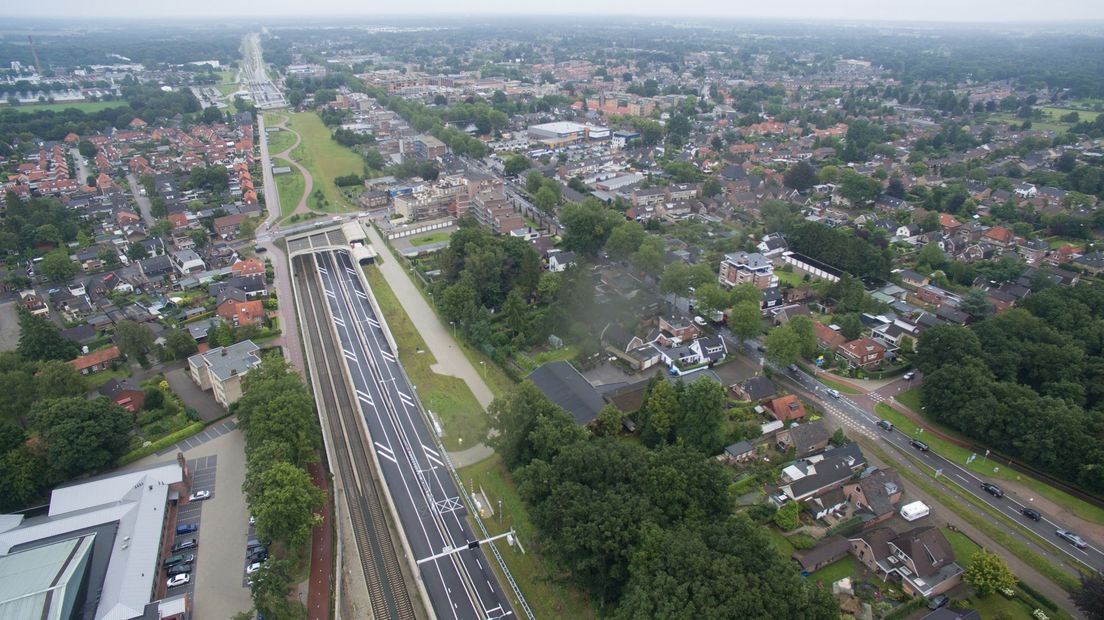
column 914, row 511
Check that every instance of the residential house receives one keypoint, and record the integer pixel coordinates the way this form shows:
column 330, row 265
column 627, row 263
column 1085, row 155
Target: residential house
column 787, row 408
column 773, row 244
column 221, row 370
column 827, row 551
column 125, row 393
column 567, row 388
column 558, row 262
column 875, row 497
column 1092, row 262
column 248, row 267
column 187, row 262
column 806, row 439
column 710, row 349
column 676, row 329
column 238, row 313
column 739, row 452
column 862, row 352
column 156, row 267
column 913, row 279
column 828, row 338
column 755, row 389
column 96, row 361
column 921, row 558
column 819, row 474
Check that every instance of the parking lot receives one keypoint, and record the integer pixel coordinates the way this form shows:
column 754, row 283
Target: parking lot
column 203, row 479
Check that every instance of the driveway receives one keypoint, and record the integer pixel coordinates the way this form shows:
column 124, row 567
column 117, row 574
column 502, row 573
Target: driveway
column 203, row 402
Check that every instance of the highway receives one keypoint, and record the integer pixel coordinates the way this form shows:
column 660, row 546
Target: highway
column 857, row 419
column 430, row 510
column 366, row 508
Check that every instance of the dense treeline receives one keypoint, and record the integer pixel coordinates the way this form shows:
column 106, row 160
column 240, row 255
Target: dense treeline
column 1028, row 382
column 424, row 118
column 277, row 418
column 646, row 532
column 840, row 249
column 149, row 103
column 150, row 47
column 36, row 222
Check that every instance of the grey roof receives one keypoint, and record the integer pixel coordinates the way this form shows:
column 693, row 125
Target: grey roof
column 806, row 437
column 739, row 448
column 565, row 387
column 753, row 260
column 758, row 388
column 836, row 467
column 225, row 362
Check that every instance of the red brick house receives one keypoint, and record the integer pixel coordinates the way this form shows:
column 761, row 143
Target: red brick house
column 787, row 408
column 125, row 393
column 827, row 337
column 97, row 360
column 240, row 312
column 862, row 352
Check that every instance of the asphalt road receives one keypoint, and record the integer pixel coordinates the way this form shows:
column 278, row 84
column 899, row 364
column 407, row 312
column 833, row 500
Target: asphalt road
column 461, row 585
column 858, row 419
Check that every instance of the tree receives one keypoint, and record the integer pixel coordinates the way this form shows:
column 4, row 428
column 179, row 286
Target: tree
column 858, row 189
column 87, row 149
column 608, row 423
column 179, row 344
column 546, row 199
column 154, row 398
column 57, row 266
column 58, row 379
column 976, row 304
column 134, row 339
column 850, row 325
column 711, row 187
column 39, row 339
column 516, row 416
column 701, row 416
column 649, row 258
column 22, row 477
column 1089, row 598
column 515, row 165
column 534, row 181
column 988, row 573
column 745, row 320
column 931, row 257
column 806, row 334
column 783, row 345
column 625, row 239
column 659, row 413
column 200, row 237
column 20, row 390
column 270, row 586
column 788, row 517
column 710, row 297
column 81, row 435
column 679, row 278
column 895, row 188
column 800, row 176
column 587, row 225
column 946, row 345
column 285, row 510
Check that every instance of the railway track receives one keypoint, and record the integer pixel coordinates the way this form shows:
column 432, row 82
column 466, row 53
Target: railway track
column 379, row 559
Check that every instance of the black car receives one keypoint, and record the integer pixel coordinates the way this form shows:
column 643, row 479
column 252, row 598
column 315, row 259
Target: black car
column 179, row 569
column 792, row 368
column 1031, row 513
column 938, row 601
column 919, row 445
column 185, row 544
column 886, row 424
column 257, row 556
column 992, row 489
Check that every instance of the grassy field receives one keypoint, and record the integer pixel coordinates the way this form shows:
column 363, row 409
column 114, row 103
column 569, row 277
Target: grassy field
column 324, row 158
column 845, row 389
column 961, row 545
column 449, row 398
column 83, row 106
column 280, row 141
column 274, row 118
column 780, row 542
column 958, row 454
column 1043, row 125
column 843, row 567
column 430, row 238
column 290, row 186
column 545, row 591
column 790, row 277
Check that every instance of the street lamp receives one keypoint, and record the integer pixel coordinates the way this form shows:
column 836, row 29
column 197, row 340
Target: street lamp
column 484, row 365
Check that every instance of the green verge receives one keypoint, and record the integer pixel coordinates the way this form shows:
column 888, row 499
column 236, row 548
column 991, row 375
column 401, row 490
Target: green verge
column 843, row 388
column 998, row 533
column 449, row 398
column 429, row 238
column 548, row 593
column 983, row 466
column 280, row 141
column 290, row 186
column 324, row 158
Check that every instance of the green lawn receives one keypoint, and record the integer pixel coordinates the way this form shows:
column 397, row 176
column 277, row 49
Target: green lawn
column 430, row 238
column 280, row 141
column 843, row 567
column 780, row 542
column 545, row 590
column 83, row 106
column 981, row 465
column 846, row 389
column 997, row 606
column 94, row 381
column 324, row 158
column 1043, row 125
column 790, row 277
column 290, row 186
column 961, row 545
column 449, row 398
column 273, row 118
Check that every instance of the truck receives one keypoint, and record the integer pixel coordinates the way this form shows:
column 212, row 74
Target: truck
column 914, row 511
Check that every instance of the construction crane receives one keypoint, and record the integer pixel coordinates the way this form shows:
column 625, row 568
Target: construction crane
column 34, row 52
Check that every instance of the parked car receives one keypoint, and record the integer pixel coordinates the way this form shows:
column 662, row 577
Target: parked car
column 199, row 496
column 938, row 601
column 180, row 569
column 257, row 556
column 919, row 445
column 1072, row 538
column 1031, row 513
column 186, row 528
column 179, row 558
column 992, row 489
column 252, row 568
column 179, row 580
column 185, row 544
column 886, row 424
column 909, row 375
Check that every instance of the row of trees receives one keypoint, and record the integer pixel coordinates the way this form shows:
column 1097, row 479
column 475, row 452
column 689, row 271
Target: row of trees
column 1028, row 382
column 646, row 532
column 424, row 118
column 277, row 418
column 840, row 249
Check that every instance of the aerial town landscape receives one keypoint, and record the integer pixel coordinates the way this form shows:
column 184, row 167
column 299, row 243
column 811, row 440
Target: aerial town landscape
column 552, row 316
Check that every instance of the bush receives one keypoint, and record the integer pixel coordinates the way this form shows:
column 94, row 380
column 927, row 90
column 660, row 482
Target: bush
column 788, row 517
column 1038, row 596
column 761, row 513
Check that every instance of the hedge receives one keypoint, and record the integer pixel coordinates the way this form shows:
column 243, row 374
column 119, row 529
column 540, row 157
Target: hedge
column 164, row 442
column 1038, row 596
column 916, row 602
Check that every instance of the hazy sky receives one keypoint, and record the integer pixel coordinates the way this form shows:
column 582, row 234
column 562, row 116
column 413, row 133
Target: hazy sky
column 906, row 10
